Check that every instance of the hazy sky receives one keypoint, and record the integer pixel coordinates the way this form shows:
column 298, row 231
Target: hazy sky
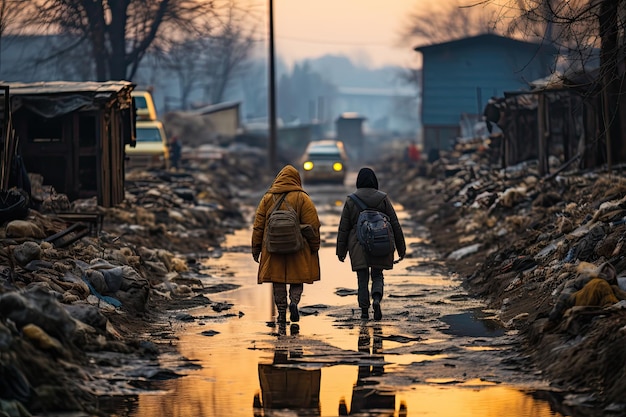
column 366, row 30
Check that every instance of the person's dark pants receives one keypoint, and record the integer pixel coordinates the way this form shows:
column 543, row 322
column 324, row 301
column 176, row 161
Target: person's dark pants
column 280, row 295
column 363, row 276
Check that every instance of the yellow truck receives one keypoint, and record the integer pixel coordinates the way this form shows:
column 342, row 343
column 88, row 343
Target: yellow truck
column 144, row 105
column 151, row 150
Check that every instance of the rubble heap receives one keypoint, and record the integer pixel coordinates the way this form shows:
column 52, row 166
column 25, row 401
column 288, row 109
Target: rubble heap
column 547, row 253
column 74, row 301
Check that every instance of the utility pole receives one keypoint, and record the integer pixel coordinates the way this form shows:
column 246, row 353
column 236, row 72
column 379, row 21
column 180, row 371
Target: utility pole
column 272, row 94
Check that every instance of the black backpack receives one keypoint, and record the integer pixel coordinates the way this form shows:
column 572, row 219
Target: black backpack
column 373, row 230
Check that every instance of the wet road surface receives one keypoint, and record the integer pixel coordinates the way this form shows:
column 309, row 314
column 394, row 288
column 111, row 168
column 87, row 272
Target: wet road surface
column 436, row 352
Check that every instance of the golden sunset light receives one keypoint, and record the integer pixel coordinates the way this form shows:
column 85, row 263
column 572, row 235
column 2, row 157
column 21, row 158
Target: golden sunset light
column 365, row 30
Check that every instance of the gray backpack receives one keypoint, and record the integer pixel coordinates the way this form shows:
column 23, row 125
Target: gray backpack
column 282, row 231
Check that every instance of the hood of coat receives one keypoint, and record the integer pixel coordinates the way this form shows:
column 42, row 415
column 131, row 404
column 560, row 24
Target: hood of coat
column 371, row 196
column 288, row 179
column 366, row 179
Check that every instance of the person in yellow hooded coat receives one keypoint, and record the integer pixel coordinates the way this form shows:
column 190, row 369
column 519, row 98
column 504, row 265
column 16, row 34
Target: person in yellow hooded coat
column 295, row 269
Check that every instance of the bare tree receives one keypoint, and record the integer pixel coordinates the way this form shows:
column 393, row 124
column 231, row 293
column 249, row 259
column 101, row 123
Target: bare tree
column 212, row 57
column 410, row 76
column 298, row 90
column 254, row 86
column 228, row 53
column 119, row 32
column 581, row 28
column 9, row 11
column 572, row 26
column 184, row 58
column 436, row 22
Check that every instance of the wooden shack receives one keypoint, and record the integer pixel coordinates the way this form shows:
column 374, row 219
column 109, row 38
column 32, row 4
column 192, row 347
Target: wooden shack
column 73, row 134
column 560, row 116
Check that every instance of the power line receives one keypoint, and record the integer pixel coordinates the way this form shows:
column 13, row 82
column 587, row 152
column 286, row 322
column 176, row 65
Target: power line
column 328, row 42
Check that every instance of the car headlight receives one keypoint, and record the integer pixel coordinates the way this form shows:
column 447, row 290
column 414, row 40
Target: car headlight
column 308, row 165
column 337, row 166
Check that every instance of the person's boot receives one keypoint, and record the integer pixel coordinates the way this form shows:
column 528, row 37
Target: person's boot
column 376, row 297
column 293, row 312
column 378, row 314
column 365, row 315
column 282, row 317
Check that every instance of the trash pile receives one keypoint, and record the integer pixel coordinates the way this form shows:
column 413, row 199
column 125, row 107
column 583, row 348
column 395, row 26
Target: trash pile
column 79, row 282
column 547, row 253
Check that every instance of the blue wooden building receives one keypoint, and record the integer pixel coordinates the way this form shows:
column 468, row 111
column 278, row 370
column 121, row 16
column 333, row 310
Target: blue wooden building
column 459, row 77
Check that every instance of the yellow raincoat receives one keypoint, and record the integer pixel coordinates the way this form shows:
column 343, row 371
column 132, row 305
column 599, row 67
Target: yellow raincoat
column 304, row 265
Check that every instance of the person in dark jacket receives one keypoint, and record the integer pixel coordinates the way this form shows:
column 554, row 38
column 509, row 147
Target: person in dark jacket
column 176, row 149
column 361, row 262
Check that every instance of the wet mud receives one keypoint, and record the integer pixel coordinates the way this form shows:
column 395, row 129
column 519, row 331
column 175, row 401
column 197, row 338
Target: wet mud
column 436, row 351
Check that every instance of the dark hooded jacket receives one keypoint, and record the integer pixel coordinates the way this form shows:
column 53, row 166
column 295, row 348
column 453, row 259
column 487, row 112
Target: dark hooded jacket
column 299, row 267
column 367, row 191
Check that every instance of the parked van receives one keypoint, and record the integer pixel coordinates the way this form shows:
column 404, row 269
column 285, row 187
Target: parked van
column 151, row 150
column 144, row 105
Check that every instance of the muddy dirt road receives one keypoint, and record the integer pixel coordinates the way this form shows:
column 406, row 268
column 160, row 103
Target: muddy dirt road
column 435, row 352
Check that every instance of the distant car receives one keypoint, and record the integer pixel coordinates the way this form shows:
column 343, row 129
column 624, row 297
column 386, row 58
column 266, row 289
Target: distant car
column 324, row 161
column 144, row 105
column 150, row 151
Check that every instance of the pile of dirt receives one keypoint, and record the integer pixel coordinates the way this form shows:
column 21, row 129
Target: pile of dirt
column 78, row 310
column 521, row 242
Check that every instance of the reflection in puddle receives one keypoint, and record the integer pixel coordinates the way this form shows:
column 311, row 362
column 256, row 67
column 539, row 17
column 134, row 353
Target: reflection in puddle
column 285, row 387
column 320, row 368
column 478, row 383
column 471, row 383
column 481, row 348
column 472, row 324
column 367, row 395
column 473, row 401
column 401, row 360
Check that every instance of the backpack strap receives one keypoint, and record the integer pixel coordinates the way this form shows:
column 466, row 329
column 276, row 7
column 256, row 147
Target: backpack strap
column 358, row 201
column 280, row 201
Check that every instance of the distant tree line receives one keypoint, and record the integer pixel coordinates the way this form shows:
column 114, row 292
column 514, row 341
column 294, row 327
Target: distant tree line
column 302, row 95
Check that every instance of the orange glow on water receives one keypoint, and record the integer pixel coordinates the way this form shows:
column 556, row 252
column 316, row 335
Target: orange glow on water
column 233, row 361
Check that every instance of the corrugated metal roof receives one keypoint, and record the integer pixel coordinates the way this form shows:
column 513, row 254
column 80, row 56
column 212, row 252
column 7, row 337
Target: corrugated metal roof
column 482, row 38
column 54, row 98
column 62, row 87
column 213, row 108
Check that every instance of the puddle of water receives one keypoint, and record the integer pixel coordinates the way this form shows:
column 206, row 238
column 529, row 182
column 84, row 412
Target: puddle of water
column 323, row 367
column 482, row 348
column 414, row 358
column 472, row 324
